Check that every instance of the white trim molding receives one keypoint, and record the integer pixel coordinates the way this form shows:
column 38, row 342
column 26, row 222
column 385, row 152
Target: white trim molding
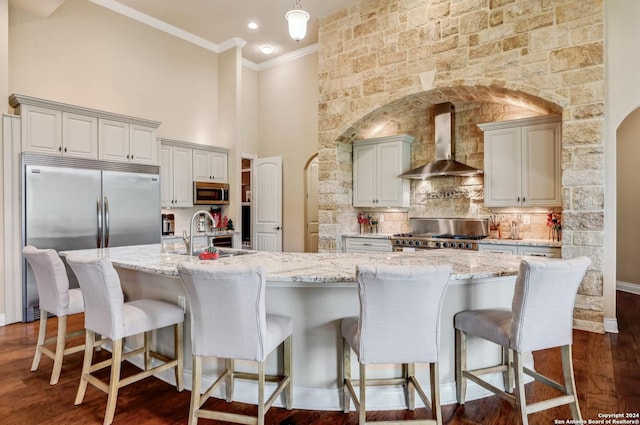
column 3, row 320
column 628, row 287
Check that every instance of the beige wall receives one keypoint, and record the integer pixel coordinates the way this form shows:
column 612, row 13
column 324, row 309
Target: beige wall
column 86, row 55
column 287, row 127
column 623, row 97
column 628, row 200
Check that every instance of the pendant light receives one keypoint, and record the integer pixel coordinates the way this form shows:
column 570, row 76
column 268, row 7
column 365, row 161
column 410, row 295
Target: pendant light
column 297, row 19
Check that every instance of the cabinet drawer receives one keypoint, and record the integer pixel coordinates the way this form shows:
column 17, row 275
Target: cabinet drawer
column 498, row 249
column 367, row 245
column 540, row 251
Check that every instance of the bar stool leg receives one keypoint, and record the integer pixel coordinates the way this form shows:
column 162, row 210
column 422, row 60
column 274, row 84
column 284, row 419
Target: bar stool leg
column 409, row 371
column 461, row 365
column 177, row 349
column 114, row 381
column 569, row 380
column 521, row 401
column 42, row 334
column 362, row 411
column 346, row 375
column 230, row 380
column 89, row 340
column 147, row 356
column 196, row 384
column 261, row 410
column 288, row 370
column 434, row 374
column 59, row 354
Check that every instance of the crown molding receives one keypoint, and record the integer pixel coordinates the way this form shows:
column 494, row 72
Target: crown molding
column 287, row 57
column 156, row 23
column 143, row 18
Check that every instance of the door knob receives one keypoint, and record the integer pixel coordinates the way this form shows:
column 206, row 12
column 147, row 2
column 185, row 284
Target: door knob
column 278, row 228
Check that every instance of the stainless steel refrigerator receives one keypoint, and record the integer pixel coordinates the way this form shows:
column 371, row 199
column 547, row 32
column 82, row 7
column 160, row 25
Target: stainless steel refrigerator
column 77, row 204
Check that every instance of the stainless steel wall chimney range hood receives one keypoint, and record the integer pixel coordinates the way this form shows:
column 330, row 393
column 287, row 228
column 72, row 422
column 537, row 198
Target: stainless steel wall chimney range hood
column 443, row 165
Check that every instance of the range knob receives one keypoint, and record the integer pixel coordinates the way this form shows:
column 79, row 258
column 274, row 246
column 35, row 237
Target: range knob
column 398, row 242
column 460, row 245
column 418, row 243
column 404, row 242
column 410, row 243
column 438, row 245
column 445, row 244
column 469, row 246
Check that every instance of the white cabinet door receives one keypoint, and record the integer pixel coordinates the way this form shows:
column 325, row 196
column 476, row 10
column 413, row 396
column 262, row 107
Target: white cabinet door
column 522, row 163
column 182, row 177
column 79, row 135
column 364, row 176
column 166, row 176
column 113, row 140
column 541, row 166
column 176, row 184
column 392, row 191
column 209, row 166
column 201, row 166
column 377, row 163
column 219, row 167
column 41, row 130
column 143, row 145
column 502, row 167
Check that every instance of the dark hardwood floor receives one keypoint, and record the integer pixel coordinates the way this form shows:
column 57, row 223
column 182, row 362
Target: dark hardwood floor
column 607, row 369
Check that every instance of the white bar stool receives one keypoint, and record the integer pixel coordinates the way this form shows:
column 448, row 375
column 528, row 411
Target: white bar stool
column 229, row 321
column 399, row 323
column 541, row 317
column 56, row 298
column 107, row 314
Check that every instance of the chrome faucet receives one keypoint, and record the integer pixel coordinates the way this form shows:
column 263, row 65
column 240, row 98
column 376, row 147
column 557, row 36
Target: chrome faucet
column 188, row 240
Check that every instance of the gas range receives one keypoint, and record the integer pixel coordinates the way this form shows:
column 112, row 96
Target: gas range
column 427, row 241
column 437, row 233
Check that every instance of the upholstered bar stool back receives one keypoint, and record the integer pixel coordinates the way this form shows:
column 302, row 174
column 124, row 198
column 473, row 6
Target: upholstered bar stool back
column 56, row 298
column 108, row 314
column 399, row 323
column 541, row 317
column 229, row 320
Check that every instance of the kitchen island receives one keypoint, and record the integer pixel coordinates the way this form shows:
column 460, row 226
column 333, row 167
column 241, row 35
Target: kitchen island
column 317, row 290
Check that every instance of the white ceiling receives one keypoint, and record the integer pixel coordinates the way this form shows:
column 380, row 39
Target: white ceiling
column 215, row 23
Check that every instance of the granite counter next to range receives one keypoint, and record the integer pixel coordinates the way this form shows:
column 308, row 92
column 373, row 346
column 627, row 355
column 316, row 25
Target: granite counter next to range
column 317, row 290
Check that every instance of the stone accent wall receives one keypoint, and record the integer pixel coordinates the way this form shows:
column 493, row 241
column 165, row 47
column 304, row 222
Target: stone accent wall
column 381, row 61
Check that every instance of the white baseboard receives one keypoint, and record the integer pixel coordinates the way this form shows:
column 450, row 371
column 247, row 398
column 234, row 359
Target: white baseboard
column 611, row 325
column 3, row 320
column 628, row 287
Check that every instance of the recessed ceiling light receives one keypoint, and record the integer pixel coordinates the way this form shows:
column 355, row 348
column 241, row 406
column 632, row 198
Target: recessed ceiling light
column 252, row 25
column 266, row 49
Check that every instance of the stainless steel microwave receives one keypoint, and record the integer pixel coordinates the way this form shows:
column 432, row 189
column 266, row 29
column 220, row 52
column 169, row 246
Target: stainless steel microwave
column 206, row 193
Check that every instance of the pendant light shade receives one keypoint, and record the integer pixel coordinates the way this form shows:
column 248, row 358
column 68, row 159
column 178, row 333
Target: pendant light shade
column 297, row 19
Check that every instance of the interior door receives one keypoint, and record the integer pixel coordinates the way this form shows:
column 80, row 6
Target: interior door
column 311, row 208
column 267, row 201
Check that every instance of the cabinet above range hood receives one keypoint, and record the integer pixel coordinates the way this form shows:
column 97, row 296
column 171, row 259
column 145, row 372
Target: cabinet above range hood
column 443, row 165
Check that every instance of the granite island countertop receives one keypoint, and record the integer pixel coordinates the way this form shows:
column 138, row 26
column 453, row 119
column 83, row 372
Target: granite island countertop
column 312, row 268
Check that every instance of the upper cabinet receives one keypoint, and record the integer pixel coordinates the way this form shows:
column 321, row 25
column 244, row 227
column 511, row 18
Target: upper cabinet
column 124, row 142
column 210, row 166
column 176, row 184
column 74, row 131
column 522, row 162
column 377, row 163
column 61, row 133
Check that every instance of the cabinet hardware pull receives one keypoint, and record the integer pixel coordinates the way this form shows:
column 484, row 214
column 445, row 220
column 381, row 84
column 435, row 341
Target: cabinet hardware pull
column 60, row 149
column 65, row 149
